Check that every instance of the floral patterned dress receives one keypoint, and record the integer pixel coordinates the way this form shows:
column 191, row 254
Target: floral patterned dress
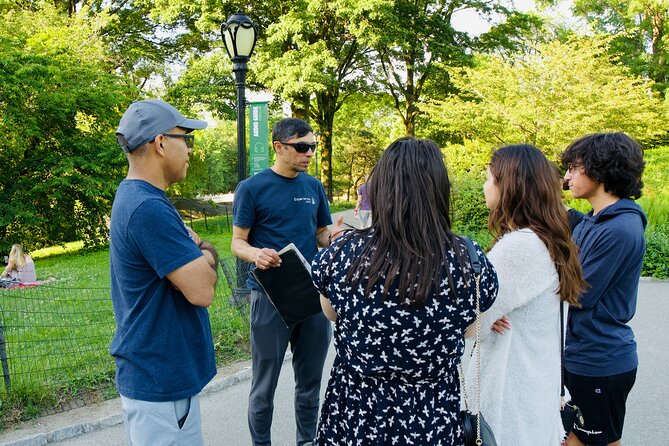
column 395, row 378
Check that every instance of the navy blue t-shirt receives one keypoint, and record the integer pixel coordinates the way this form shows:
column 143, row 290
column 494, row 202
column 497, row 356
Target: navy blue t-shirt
column 163, row 344
column 280, row 210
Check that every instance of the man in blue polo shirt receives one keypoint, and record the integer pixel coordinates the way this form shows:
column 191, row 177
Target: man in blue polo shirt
column 600, row 357
column 162, row 281
column 275, row 207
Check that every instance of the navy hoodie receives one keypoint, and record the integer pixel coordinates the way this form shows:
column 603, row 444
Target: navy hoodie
column 612, row 245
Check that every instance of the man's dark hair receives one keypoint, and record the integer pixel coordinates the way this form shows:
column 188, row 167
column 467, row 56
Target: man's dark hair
column 290, row 128
column 613, row 159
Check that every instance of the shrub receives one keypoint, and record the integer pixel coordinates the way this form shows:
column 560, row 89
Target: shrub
column 656, row 262
column 469, row 214
column 656, row 209
column 471, row 157
column 341, row 205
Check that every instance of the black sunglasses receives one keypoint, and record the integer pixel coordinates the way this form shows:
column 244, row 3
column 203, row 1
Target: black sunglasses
column 190, row 139
column 301, row 147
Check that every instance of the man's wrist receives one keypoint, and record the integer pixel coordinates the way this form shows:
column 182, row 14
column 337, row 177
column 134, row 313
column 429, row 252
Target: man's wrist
column 257, row 256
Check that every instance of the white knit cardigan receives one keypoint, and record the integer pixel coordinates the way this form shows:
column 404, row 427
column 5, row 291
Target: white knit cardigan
column 520, row 370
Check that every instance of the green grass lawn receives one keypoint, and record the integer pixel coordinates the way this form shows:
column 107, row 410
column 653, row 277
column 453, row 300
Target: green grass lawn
column 58, row 334
column 74, row 267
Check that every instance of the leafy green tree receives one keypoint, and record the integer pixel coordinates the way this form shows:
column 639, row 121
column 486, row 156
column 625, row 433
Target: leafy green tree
column 59, row 105
column 414, row 43
column 365, row 127
column 310, row 52
column 140, row 43
column 549, row 97
column 213, row 163
column 146, row 45
column 641, row 33
column 306, row 55
column 206, row 82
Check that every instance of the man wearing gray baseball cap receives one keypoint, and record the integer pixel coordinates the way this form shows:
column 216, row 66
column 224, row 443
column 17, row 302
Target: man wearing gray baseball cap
column 162, row 281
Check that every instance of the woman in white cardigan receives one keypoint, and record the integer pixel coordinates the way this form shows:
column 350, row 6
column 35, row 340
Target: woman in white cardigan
column 537, row 266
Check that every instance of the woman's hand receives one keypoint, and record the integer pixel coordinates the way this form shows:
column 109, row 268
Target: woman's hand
column 501, row 325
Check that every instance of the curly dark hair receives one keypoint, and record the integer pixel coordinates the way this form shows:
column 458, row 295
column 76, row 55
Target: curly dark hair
column 613, row 159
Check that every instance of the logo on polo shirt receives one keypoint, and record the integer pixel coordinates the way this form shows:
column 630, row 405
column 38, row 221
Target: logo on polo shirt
column 308, row 200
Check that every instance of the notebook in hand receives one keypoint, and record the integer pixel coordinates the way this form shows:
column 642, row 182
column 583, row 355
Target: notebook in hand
column 289, row 286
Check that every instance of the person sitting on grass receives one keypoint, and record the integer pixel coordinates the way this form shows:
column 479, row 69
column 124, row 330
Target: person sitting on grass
column 20, row 267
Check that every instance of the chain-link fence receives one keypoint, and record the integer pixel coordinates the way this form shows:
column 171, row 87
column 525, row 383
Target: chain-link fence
column 54, row 343
column 235, row 272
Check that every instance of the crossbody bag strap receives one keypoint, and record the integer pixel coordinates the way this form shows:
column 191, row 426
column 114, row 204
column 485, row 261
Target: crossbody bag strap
column 475, row 263
column 562, row 352
column 474, row 259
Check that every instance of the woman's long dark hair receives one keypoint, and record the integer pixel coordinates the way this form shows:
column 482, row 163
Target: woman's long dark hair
column 530, row 197
column 409, row 193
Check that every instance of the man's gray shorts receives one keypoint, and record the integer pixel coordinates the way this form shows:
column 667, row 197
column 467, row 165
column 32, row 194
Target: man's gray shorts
column 151, row 423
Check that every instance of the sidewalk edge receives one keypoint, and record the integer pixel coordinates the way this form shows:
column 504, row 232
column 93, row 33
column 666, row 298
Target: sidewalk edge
column 78, row 429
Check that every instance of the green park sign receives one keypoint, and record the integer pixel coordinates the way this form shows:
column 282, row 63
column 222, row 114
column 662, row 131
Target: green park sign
column 258, row 137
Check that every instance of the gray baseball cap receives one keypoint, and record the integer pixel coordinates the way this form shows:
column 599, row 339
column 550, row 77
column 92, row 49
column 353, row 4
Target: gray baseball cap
column 144, row 120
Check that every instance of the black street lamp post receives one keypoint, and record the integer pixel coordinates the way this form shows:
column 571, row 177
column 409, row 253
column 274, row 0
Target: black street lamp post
column 239, row 36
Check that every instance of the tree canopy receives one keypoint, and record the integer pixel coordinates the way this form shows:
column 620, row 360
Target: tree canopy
column 59, row 104
column 549, row 97
column 640, row 31
column 363, row 72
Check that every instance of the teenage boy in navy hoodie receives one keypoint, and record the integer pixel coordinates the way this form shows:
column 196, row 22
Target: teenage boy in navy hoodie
column 600, row 357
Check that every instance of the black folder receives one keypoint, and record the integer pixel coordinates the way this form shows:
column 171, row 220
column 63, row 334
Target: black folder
column 289, row 287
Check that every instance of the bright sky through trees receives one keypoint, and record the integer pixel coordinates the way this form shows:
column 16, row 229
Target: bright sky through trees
column 468, row 20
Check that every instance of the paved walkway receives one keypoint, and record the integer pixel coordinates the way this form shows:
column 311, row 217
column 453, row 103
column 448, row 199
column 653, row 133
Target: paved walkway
column 224, row 400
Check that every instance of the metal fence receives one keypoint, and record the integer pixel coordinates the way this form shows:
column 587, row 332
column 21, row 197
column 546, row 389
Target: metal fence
column 54, row 343
column 235, row 273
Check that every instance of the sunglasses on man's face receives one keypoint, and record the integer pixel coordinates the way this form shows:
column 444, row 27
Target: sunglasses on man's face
column 301, row 147
column 190, row 139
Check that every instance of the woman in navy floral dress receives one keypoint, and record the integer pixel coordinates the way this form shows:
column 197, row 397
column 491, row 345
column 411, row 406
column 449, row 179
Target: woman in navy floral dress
column 402, row 294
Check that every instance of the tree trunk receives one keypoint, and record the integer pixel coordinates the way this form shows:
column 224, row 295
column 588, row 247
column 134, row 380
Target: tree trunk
column 327, row 106
column 300, row 107
column 350, row 178
column 409, row 126
column 658, row 45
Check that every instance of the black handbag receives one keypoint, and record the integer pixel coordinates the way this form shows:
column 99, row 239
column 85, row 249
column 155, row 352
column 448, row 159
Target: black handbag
column 470, row 422
column 477, row 431
column 570, row 413
column 571, row 416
